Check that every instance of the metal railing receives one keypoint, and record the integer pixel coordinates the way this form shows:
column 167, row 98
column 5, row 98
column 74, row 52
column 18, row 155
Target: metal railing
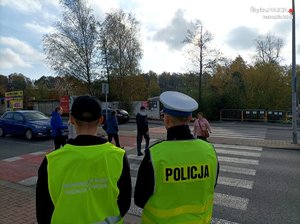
column 258, row 115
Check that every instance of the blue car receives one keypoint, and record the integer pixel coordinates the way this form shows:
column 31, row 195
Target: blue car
column 27, row 123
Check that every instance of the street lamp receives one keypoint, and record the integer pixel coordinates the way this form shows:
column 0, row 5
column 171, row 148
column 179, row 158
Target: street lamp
column 294, row 77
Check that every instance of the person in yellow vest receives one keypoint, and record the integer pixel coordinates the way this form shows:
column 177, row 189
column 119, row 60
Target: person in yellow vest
column 88, row 179
column 177, row 177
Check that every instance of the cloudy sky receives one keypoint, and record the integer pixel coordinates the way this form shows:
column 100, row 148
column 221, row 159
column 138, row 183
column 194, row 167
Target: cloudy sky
column 234, row 24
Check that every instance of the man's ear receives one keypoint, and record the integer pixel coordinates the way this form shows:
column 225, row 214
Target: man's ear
column 72, row 120
column 167, row 120
column 101, row 119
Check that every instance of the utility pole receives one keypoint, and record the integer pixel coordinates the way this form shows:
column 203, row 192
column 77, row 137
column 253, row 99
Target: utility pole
column 294, row 77
column 105, row 90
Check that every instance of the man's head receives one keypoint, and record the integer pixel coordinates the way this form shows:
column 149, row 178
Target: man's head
column 142, row 108
column 178, row 108
column 59, row 110
column 86, row 112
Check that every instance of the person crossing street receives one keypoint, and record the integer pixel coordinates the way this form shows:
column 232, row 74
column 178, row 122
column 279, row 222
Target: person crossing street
column 142, row 130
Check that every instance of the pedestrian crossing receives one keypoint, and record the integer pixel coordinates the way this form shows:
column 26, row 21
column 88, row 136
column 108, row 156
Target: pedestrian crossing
column 238, row 165
column 226, row 132
column 239, row 133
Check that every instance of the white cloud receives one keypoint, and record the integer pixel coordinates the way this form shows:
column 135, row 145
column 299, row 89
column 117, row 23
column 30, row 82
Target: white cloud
column 51, row 2
column 100, row 7
column 159, row 59
column 38, row 28
column 242, row 38
column 23, row 5
column 161, row 27
column 10, row 59
column 49, row 17
column 174, row 33
column 21, row 47
column 21, row 51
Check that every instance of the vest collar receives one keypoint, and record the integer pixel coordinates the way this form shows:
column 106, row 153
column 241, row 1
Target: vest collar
column 82, row 140
column 181, row 132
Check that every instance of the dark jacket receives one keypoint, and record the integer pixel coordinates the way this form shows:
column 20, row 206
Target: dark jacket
column 144, row 187
column 112, row 125
column 142, row 123
column 57, row 125
column 44, row 205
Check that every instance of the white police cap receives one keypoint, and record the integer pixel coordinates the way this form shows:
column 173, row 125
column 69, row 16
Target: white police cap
column 178, row 104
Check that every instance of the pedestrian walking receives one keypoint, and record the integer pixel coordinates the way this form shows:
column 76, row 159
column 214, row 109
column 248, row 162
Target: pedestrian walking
column 142, row 130
column 87, row 180
column 112, row 128
column 71, row 130
column 57, row 128
column 176, row 178
column 201, row 127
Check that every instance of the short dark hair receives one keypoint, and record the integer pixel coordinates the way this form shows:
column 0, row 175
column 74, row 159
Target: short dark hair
column 86, row 108
column 142, row 108
column 57, row 109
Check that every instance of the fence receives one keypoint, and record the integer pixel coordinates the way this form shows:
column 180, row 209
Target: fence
column 254, row 115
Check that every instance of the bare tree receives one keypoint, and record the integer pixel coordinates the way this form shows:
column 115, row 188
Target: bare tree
column 268, row 49
column 121, row 47
column 72, row 48
column 202, row 57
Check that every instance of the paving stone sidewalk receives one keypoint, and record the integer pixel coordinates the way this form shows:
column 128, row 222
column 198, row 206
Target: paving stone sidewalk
column 17, row 205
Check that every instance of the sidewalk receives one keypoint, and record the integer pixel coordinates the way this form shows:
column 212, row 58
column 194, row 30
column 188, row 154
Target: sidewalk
column 17, row 202
column 17, row 205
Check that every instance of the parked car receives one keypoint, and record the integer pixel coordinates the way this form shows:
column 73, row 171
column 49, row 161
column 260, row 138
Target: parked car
column 122, row 115
column 27, row 123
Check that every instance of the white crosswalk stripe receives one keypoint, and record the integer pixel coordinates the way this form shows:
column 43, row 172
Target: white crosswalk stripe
column 239, row 170
column 221, row 221
column 234, row 133
column 238, row 160
column 253, row 148
column 235, row 182
column 241, row 133
column 231, row 157
column 231, row 201
column 239, row 153
column 135, row 157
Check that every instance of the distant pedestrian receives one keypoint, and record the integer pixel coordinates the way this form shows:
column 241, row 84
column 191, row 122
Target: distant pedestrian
column 201, row 127
column 142, row 130
column 112, row 128
column 71, row 130
column 57, row 128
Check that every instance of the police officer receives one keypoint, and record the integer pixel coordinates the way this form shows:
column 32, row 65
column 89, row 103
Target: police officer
column 176, row 179
column 88, row 179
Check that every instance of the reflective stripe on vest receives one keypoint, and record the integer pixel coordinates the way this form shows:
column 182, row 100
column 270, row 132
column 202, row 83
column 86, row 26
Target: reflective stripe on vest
column 82, row 183
column 185, row 174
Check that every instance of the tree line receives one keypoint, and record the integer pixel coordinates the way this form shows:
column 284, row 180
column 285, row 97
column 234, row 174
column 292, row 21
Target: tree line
column 85, row 52
column 237, row 85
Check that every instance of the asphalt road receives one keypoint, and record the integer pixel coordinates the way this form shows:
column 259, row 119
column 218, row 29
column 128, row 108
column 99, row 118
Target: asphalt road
column 274, row 196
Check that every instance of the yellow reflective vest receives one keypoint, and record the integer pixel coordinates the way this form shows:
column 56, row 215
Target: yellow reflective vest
column 185, row 174
column 82, row 182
